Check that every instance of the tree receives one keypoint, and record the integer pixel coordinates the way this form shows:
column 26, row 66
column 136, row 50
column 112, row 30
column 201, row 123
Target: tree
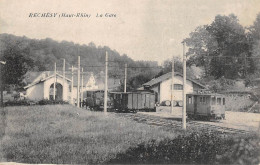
column 221, row 48
column 17, row 64
column 201, row 45
column 254, row 30
column 254, row 38
column 44, row 53
column 167, row 66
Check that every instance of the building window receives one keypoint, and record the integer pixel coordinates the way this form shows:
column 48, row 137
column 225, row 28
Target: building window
column 190, row 100
column 177, row 87
column 70, row 88
column 224, row 101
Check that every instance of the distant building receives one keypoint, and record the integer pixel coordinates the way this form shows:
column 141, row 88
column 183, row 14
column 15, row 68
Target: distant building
column 41, row 85
column 162, row 86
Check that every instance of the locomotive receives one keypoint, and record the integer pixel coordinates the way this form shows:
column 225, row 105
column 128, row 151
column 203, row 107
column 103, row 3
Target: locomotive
column 207, row 106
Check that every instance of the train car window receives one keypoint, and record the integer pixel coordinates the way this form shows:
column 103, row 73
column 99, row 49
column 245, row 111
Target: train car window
column 207, row 100
column 224, row 101
column 213, row 100
column 219, row 101
column 202, row 100
column 190, row 100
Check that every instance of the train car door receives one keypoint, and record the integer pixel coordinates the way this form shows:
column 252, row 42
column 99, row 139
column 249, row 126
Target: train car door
column 135, row 101
column 147, row 100
column 124, row 100
column 130, row 101
column 152, row 101
column 139, row 101
column 143, row 101
column 195, row 104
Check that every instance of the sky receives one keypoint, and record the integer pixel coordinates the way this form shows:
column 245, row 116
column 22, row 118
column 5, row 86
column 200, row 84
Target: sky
column 142, row 29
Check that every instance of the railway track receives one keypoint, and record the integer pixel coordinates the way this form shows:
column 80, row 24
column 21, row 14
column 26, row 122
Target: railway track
column 175, row 124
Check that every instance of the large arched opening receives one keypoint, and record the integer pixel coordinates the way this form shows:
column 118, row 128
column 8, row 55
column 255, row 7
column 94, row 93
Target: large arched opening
column 58, row 92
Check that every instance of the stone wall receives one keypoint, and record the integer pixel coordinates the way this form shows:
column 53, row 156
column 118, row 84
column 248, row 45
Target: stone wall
column 239, row 101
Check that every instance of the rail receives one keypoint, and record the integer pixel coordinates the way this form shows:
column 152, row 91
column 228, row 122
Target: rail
column 175, row 124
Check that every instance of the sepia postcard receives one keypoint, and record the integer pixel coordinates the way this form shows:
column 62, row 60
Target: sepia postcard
column 129, row 82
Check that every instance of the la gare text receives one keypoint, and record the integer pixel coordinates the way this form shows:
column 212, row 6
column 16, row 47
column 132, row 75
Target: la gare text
column 69, row 15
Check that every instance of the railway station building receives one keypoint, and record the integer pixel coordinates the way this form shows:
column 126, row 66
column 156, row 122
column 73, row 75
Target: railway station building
column 162, row 86
column 40, row 85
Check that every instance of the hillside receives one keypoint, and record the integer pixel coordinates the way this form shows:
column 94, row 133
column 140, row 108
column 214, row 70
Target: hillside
column 45, row 52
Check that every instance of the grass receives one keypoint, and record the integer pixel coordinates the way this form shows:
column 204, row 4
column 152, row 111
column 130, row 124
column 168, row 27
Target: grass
column 65, row 134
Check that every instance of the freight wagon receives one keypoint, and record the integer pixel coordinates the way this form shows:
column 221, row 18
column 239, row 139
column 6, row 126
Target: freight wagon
column 122, row 102
column 205, row 106
column 134, row 101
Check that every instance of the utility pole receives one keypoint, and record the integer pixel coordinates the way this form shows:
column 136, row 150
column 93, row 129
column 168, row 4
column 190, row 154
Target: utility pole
column 125, row 78
column 2, row 84
column 105, row 92
column 1, row 87
column 172, row 86
column 184, row 89
column 78, row 81
column 63, row 75
column 71, row 96
column 82, row 86
column 245, row 72
column 54, row 85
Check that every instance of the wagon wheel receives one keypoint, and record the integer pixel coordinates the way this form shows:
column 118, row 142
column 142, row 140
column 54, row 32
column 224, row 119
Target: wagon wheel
column 196, row 117
column 223, row 117
column 208, row 118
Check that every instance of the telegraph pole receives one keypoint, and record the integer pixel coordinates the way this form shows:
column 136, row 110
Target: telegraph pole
column 125, row 78
column 2, row 84
column 63, row 75
column 105, row 92
column 172, row 86
column 184, row 89
column 54, row 85
column 78, row 81
column 1, row 87
column 71, row 96
column 82, row 86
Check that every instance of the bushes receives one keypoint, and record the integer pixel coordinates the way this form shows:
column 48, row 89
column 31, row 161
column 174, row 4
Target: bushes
column 221, row 84
column 49, row 102
column 30, row 102
column 19, row 103
column 202, row 148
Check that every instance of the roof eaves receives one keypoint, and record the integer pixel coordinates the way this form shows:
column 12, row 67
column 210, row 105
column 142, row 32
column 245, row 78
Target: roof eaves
column 167, row 76
column 32, row 84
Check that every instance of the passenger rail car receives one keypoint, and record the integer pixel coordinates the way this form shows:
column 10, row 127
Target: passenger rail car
column 205, row 106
